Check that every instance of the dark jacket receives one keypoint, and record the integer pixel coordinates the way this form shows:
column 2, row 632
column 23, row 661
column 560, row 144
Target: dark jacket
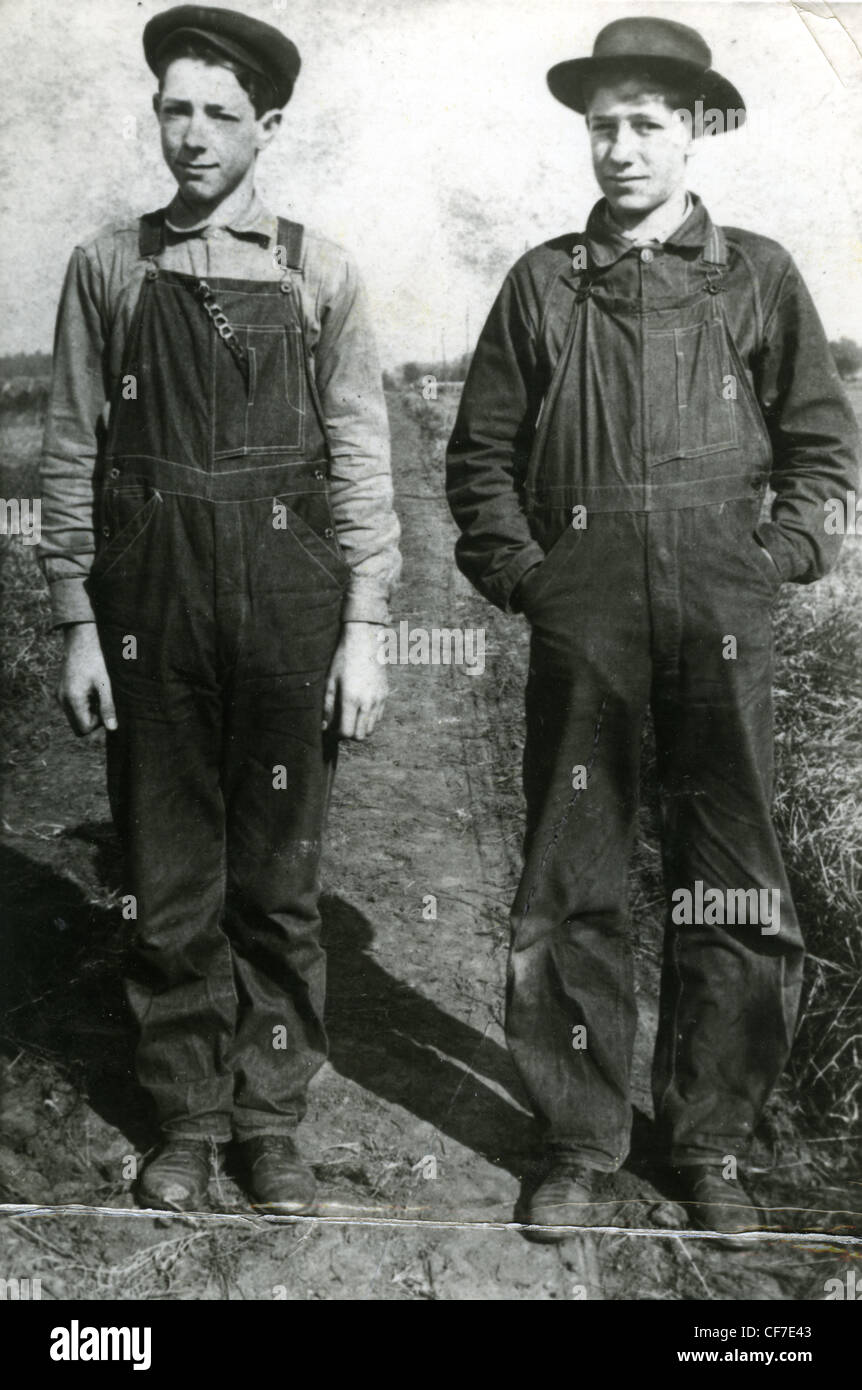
column 621, row 378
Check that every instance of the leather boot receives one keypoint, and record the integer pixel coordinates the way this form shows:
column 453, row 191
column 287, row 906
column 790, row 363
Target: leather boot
column 716, row 1203
column 564, row 1197
column 178, row 1177
column 275, row 1176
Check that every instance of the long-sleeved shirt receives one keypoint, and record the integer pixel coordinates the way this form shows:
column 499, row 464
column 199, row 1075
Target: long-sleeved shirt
column 627, row 405
column 99, row 295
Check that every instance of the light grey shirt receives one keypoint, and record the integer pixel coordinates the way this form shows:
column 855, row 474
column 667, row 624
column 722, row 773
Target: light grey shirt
column 101, row 290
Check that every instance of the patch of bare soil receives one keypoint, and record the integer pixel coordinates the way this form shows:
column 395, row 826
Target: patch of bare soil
column 417, row 1128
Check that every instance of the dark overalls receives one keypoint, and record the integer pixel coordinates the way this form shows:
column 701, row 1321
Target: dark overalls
column 650, row 422
column 217, row 588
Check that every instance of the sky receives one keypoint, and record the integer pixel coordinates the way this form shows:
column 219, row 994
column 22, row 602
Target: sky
column 422, row 136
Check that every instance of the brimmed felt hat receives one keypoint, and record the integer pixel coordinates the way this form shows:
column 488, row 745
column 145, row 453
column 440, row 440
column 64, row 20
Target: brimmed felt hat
column 670, row 50
column 258, row 46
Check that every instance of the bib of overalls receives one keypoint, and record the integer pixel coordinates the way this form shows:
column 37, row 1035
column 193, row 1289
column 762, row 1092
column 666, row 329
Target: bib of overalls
column 191, row 421
column 649, row 406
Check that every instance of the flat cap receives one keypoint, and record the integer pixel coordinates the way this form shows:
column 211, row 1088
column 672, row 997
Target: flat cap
column 260, row 47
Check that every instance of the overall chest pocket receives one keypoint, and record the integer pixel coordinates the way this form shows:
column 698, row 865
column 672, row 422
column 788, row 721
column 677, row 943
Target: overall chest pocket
column 690, row 392
column 267, row 416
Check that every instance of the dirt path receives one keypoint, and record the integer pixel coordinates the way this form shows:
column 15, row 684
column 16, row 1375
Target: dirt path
column 418, row 1116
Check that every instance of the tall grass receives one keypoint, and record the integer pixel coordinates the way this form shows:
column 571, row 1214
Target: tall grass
column 28, row 650
column 818, row 812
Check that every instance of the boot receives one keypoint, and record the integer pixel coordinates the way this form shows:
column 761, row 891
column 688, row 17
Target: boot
column 178, row 1177
column 716, row 1203
column 276, row 1179
column 563, row 1198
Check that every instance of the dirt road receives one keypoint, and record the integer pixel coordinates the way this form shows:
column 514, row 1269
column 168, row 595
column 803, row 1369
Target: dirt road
column 416, row 1128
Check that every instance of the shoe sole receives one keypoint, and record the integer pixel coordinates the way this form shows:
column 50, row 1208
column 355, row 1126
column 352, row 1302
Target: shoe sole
column 284, row 1208
column 547, row 1235
column 156, row 1202
column 731, row 1240
column 553, row 1234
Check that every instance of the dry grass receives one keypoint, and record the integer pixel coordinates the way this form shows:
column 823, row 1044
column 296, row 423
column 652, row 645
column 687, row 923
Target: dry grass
column 28, row 654
column 435, row 418
column 819, row 817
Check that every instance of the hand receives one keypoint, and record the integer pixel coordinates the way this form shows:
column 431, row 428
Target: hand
column 520, row 593
column 84, row 690
column 356, row 686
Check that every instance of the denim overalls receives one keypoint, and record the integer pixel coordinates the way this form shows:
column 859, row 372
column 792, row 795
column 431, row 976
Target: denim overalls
column 217, row 588
column 651, row 424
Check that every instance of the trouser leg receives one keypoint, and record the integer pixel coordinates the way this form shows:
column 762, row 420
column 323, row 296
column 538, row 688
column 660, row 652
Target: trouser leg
column 154, row 612
column 730, row 992
column 278, row 767
column 275, row 829
column 571, row 1011
column 164, row 780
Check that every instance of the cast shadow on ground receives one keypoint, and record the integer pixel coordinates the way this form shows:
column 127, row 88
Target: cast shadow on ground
column 397, row 1044
column 61, row 999
column 60, row 993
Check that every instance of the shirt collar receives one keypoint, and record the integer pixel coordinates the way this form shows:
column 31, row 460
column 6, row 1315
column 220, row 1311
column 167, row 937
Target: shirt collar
column 257, row 223
column 607, row 243
column 664, row 229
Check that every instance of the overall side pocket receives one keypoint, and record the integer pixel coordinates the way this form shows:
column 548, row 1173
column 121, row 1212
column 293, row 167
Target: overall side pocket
column 126, row 513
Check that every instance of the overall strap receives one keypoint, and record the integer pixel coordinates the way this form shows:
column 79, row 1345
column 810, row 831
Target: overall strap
column 570, row 281
column 289, row 250
column 716, row 247
column 570, row 285
column 715, row 250
column 290, row 237
column 151, row 234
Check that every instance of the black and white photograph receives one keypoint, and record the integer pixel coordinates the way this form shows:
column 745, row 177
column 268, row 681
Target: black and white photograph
column 431, row 638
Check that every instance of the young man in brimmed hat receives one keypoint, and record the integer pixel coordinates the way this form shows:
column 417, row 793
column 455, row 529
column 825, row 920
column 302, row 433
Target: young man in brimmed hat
column 217, row 392
column 635, row 389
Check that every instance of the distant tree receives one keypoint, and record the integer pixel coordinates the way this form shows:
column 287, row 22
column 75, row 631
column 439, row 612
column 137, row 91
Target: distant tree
column 847, row 356
column 454, row 369
column 15, row 364
column 389, row 382
column 461, row 366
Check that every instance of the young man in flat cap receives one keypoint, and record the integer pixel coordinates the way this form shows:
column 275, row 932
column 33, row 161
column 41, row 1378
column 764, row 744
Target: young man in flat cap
column 217, row 391
column 635, row 389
